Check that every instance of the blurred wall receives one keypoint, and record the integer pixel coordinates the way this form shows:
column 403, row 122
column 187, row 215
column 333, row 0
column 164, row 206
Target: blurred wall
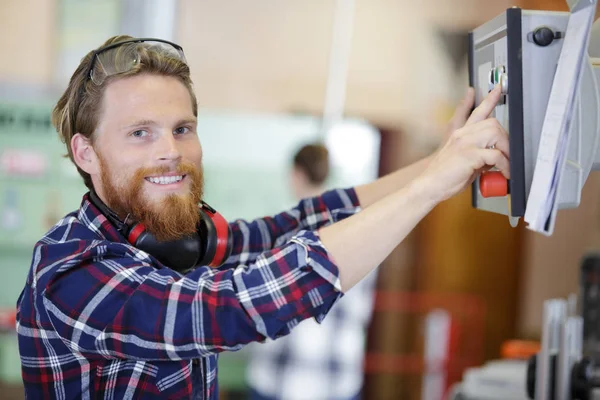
column 273, row 56
column 27, row 32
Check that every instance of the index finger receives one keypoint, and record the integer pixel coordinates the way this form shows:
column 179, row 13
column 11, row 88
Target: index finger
column 486, row 107
column 463, row 110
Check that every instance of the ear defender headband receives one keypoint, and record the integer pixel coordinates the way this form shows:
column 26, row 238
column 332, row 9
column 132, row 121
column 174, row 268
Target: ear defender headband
column 210, row 245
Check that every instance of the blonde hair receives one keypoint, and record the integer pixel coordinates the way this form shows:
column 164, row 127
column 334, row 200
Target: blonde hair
column 79, row 107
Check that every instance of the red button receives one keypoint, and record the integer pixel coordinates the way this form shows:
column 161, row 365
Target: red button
column 493, row 184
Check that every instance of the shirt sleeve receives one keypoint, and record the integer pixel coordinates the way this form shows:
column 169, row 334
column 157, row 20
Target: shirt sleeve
column 250, row 239
column 113, row 305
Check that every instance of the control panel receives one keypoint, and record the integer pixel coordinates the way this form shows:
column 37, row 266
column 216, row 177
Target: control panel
column 517, row 50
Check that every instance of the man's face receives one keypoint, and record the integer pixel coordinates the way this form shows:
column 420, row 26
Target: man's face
column 149, row 154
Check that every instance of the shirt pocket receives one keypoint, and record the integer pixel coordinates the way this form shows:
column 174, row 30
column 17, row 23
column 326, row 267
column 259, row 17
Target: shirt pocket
column 120, row 379
column 174, row 379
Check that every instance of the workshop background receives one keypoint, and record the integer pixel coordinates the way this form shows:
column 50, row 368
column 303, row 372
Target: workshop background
column 383, row 76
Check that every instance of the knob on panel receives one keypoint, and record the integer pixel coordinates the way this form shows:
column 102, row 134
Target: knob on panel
column 493, row 184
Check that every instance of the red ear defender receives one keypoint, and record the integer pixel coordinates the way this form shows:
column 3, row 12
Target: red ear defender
column 214, row 231
column 210, row 245
column 135, row 233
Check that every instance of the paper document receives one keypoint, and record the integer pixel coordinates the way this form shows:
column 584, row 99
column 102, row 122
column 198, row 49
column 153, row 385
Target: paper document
column 540, row 212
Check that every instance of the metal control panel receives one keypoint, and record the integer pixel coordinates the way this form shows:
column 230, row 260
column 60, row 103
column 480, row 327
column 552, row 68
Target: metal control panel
column 517, row 50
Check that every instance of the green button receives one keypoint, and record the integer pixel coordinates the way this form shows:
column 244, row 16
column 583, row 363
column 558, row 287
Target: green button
column 496, row 77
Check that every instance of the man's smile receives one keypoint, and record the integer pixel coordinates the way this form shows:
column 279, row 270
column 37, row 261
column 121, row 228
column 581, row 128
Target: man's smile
column 166, row 180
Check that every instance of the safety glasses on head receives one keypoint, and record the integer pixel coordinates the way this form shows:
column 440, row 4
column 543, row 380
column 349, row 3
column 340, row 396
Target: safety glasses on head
column 120, row 57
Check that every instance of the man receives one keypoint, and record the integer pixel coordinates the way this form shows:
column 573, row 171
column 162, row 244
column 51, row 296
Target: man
column 316, row 361
column 100, row 318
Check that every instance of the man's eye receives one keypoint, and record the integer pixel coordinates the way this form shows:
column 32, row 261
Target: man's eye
column 181, row 130
column 139, row 133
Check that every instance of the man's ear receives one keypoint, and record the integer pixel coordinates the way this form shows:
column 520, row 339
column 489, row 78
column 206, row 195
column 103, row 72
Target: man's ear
column 84, row 154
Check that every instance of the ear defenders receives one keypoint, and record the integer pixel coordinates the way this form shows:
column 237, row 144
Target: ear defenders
column 211, row 244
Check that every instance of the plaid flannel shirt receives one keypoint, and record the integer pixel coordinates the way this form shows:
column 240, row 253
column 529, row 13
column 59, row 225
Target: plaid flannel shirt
column 99, row 318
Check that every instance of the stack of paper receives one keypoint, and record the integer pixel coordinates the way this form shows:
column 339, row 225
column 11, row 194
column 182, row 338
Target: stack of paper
column 540, row 212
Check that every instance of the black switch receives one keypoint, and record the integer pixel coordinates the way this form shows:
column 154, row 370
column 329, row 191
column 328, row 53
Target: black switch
column 543, row 36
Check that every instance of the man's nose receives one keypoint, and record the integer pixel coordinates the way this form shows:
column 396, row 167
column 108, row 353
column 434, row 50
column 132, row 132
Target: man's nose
column 168, row 148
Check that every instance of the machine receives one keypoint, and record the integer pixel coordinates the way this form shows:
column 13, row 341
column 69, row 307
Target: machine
column 549, row 108
column 548, row 66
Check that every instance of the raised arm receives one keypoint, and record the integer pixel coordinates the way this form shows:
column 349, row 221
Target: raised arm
column 250, row 239
column 361, row 242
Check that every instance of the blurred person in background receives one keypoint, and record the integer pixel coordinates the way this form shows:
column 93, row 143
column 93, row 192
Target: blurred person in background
column 315, row 361
column 98, row 317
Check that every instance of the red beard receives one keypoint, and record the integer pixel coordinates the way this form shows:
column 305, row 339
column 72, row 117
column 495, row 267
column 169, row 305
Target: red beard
column 170, row 219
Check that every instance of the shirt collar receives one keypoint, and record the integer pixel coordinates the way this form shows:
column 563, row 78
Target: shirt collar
column 93, row 219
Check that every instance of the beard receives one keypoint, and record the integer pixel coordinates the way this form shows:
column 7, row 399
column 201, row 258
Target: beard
column 171, row 218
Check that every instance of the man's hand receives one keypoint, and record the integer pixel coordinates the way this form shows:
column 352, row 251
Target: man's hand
column 478, row 146
column 392, row 207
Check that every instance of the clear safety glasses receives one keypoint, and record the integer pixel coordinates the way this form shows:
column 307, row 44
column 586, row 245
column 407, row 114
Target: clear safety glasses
column 120, row 57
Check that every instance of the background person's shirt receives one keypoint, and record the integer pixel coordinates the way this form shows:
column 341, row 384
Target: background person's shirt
column 317, row 361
